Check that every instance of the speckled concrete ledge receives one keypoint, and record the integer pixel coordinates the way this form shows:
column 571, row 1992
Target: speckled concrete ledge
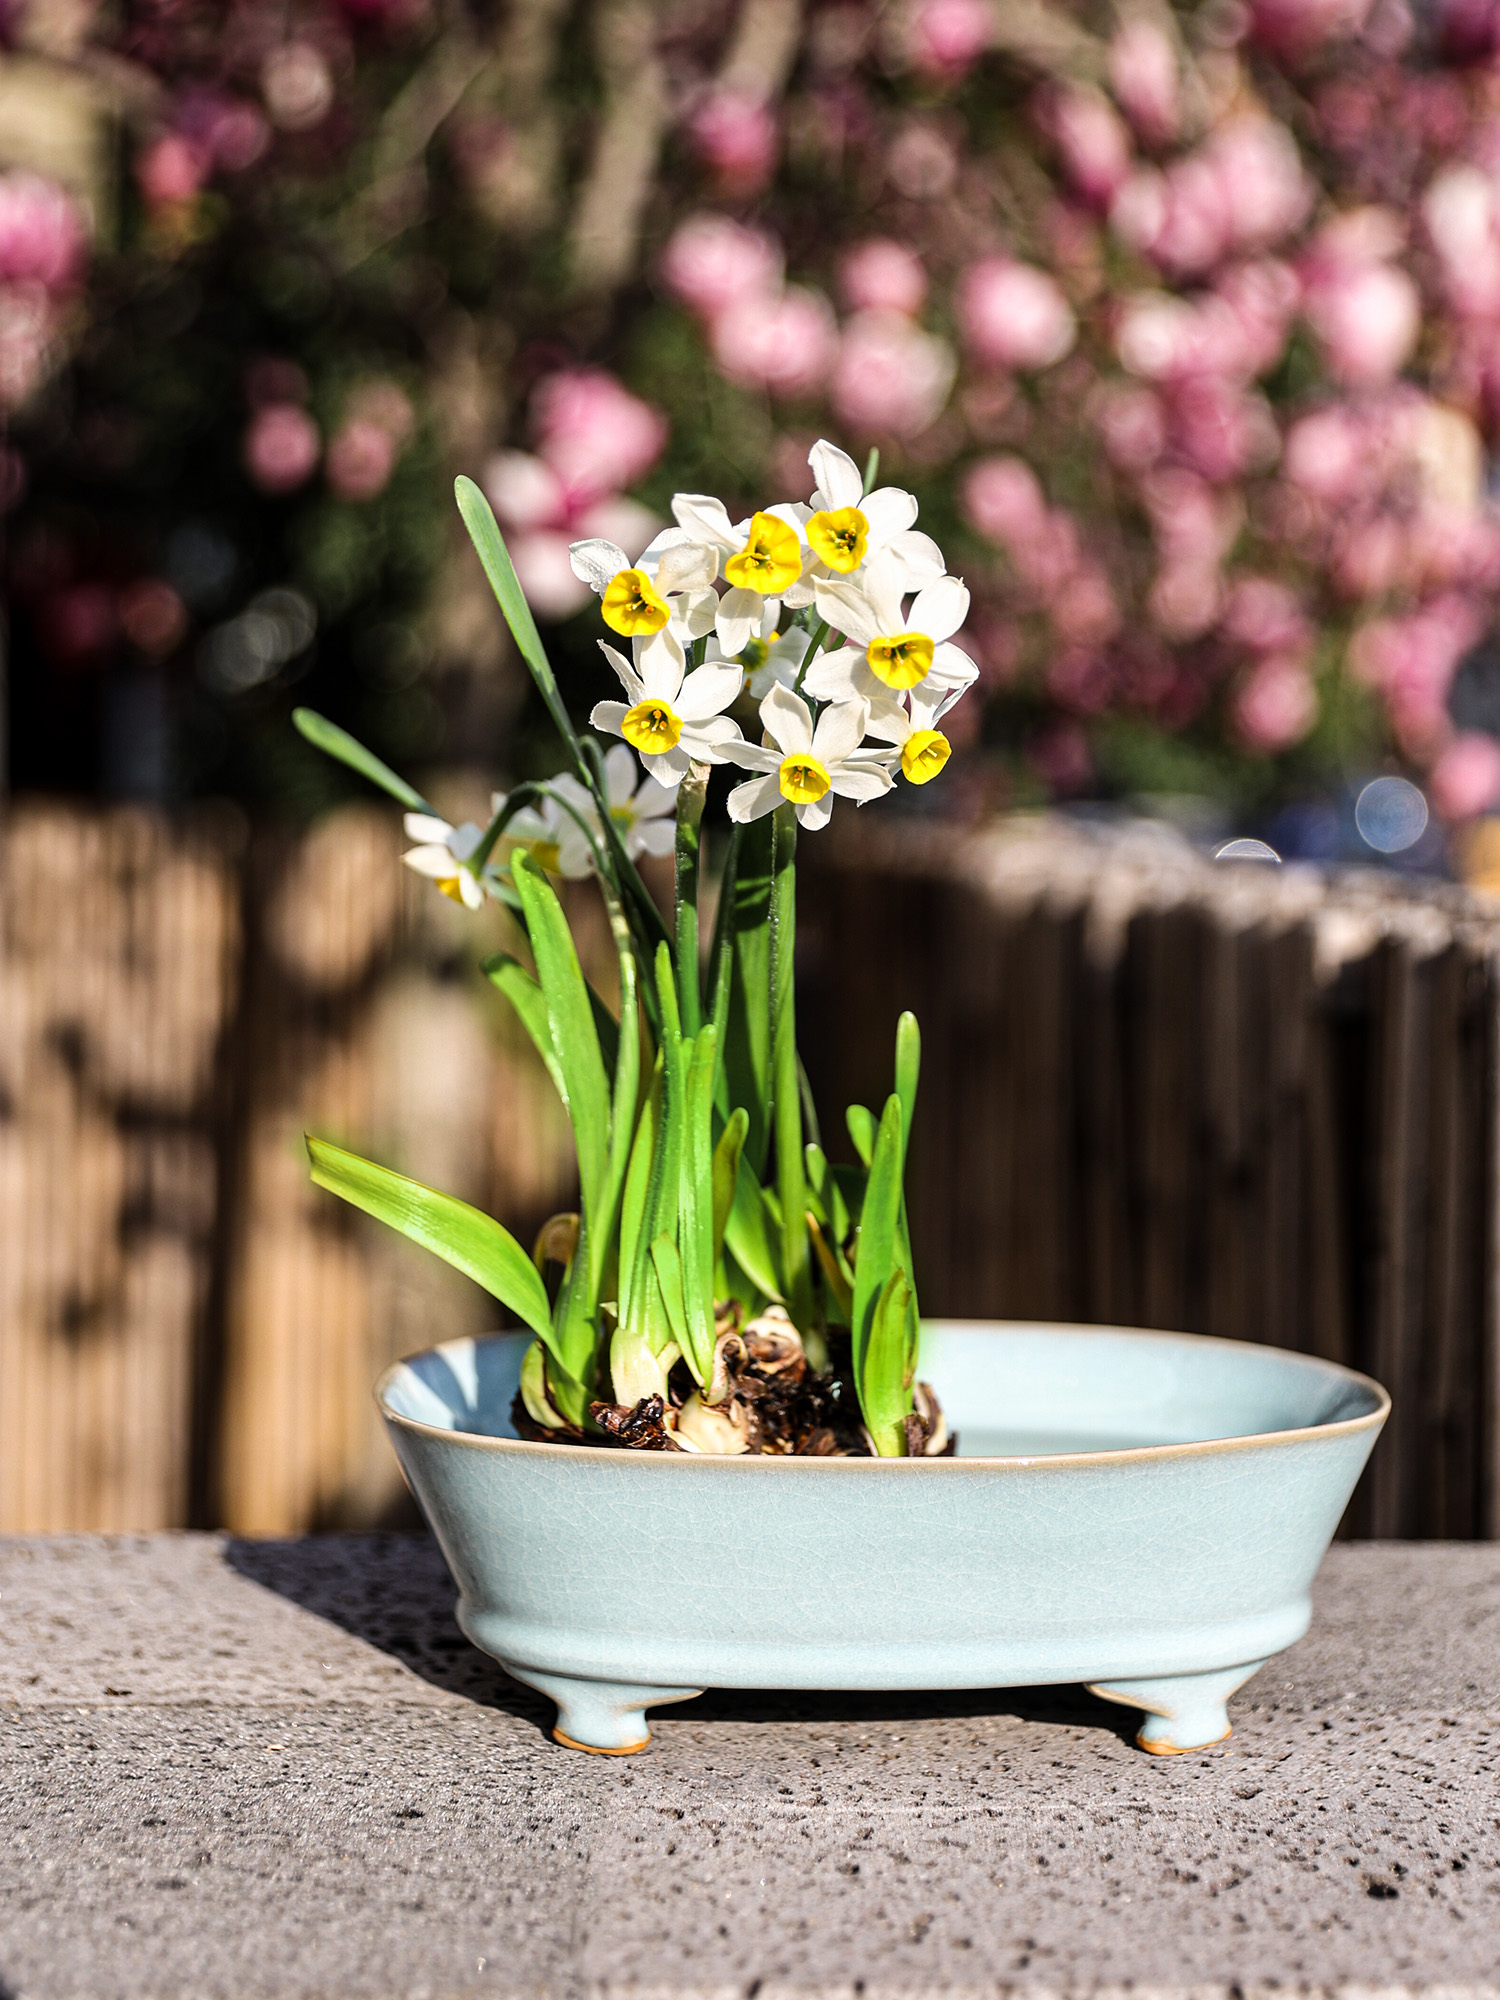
column 251, row 1770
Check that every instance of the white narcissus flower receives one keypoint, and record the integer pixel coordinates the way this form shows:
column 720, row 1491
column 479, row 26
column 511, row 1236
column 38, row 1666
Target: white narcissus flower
column 917, row 743
column 673, row 718
column 540, row 829
column 762, row 559
column 849, row 528
column 672, row 583
column 642, row 814
column 892, row 649
column 442, row 856
column 809, row 766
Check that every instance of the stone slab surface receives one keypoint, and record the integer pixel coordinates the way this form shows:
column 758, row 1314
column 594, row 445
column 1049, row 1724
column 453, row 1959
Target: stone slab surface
column 248, row 1770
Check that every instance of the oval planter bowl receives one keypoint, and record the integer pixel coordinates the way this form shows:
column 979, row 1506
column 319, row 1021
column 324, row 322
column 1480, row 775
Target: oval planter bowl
column 1142, row 1512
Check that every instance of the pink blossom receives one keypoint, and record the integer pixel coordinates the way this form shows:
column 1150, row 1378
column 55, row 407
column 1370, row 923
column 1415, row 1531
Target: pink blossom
column 1092, row 141
column 1411, row 660
column 545, row 574
column 734, row 133
column 524, row 491
column 1260, row 298
column 1372, row 558
column 361, row 458
column 1219, row 429
column 711, row 263
column 281, row 447
column 28, row 332
column 170, row 171
column 384, row 402
column 1257, row 160
column 1459, row 209
column 1328, row 455
column 1143, row 77
column 1293, row 28
column 1047, row 560
column 594, row 434
column 880, row 275
column 1368, row 317
column 890, row 377
column 1275, row 705
column 787, row 345
column 1086, row 613
column 1133, row 426
column 42, row 236
column 1002, row 499
column 238, row 135
column 1013, row 315
column 1465, row 780
column 1265, row 617
column 945, row 38
column 1185, row 598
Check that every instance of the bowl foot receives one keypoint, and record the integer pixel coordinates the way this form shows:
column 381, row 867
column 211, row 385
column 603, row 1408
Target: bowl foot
column 1183, row 1711
column 607, row 1717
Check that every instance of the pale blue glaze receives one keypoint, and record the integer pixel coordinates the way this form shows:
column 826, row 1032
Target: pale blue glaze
column 1143, row 1512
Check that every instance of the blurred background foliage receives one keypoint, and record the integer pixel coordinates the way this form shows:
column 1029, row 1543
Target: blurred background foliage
column 1182, row 321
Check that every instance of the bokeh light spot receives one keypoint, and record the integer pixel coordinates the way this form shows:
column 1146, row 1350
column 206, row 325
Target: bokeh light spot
column 1391, row 815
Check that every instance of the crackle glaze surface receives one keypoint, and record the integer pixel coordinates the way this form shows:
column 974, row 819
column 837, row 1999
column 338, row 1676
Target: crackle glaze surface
column 1143, row 1512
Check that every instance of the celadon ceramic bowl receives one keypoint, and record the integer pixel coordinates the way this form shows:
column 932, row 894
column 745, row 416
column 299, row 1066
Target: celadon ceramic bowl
column 1142, row 1512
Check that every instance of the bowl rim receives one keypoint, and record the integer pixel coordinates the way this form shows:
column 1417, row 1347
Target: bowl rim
column 906, row 1467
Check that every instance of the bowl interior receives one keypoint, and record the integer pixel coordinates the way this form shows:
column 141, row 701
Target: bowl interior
column 1009, row 1389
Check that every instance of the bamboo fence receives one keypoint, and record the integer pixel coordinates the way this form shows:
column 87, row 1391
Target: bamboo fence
column 1245, row 1101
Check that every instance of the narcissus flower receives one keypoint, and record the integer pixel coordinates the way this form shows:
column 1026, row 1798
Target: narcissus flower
column 672, row 580
column 808, row 766
column 673, row 718
column 642, row 815
column 917, row 743
column 892, row 649
column 762, row 559
column 849, row 527
column 443, row 854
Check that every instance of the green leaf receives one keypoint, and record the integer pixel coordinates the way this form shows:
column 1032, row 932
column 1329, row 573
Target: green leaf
column 691, row 794
column 746, row 1236
column 634, row 1244
column 886, row 1399
column 861, row 1122
column 523, row 993
column 465, row 1237
column 489, row 543
column 745, row 1003
column 908, row 1067
column 335, row 742
column 695, row 1206
column 726, row 1172
column 579, row 1075
column 878, row 1234
column 796, row 1250
column 669, row 1276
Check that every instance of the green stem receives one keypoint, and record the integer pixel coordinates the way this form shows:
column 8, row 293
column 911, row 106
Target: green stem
column 691, row 795
column 819, row 640
column 791, row 1186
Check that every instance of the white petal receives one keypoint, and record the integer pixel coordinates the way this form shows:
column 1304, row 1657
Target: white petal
column 931, row 699
column 849, row 610
column 609, row 716
column 738, row 621
column 797, row 596
column 705, row 519
column 918, row 558
column 694, row 612
column 620, row 775
column 653, row 800
column 629, row 679
column 889, row 721
column 435, row 862
column 755, row 799
column 952, row 668
column 840, row 731
column 710, row 742
column 653, row 836
column 754, row 756
column 787, row 719
column 426, row 826
column 794, row 514
column 817, row 815
column 575, row 858
column 884, row 582
column 470, row 889
column 890, row 511
column 659, row 660
column 831, row 675
column 839, row 480
column 464, row 839
column 595, row 562
column 668, row 767
column 861, row 781
column 708, row 691
column 940, row 608
column 689, row 566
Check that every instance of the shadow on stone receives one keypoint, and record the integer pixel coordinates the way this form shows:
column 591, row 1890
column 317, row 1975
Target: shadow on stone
column 394, row 1592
